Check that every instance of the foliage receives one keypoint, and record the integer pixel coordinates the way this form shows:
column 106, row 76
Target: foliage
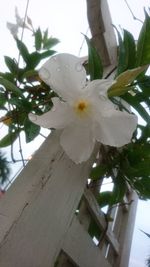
column 22, row 92
column 148, row 262
column 148, row 259
column 129, row 165
column 4, row 169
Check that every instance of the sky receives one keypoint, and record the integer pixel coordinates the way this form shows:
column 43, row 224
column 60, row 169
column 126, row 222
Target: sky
column 66, row 20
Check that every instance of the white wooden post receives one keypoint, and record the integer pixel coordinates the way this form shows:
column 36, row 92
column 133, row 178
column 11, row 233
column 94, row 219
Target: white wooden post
column 39, row 207
column 37, row 214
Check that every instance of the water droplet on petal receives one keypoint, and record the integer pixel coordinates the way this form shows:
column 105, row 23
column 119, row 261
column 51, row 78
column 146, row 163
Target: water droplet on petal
column 66, row 67
column 44, row 73
column 54, row 58
column 58, row 69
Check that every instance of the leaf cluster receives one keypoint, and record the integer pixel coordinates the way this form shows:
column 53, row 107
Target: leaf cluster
column 129, row 165
column 21, row 89
column 22, row 92
column 4, row 168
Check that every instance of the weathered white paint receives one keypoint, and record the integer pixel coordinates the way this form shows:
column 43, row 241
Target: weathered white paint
column 80, row 247
column 38, row 208
column 125, row 233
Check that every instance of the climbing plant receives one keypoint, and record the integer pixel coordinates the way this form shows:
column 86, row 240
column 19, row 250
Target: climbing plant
column 22, row 92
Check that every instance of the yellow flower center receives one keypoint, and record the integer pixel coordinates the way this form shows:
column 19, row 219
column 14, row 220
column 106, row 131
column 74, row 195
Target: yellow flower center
column 82, row 107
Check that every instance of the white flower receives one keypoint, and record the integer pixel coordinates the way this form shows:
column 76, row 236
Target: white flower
column 13, row 29
column 84, row 111
column 19, row 20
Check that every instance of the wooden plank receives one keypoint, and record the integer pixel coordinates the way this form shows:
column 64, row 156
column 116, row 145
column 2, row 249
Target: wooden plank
column 38, row 209
column 100, row 219
column 125, row 235
column 80, row 247
column 102, row 31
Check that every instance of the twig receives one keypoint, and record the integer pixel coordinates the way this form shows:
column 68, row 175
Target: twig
column 134, row 17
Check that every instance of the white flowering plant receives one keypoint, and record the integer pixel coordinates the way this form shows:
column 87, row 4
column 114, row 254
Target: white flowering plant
column 72, row 94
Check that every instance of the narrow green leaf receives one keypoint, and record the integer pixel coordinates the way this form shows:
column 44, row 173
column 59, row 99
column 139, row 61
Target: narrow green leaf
column 11, row 64
column 7, row 76
column 130, row 50
column 31, row 130
column 38, row 39
column 95, row 66
column 132, row 100
column 8, row 139
column 10, row 87
column 123, row 80
column 45, row 36
column 23, row 50
column 50, row 42
column 143, row 43
column 3, row 99
column 46, row 54
column 35, row 58
column 122, row 60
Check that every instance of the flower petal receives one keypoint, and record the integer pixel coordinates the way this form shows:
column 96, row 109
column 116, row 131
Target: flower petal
column 78, row 142
column 98, row 87
column 13, row 28
column 65, row 75
column 116, row 129
column 58, row 117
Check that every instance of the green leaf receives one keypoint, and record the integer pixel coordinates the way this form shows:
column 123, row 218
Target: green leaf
column 23, row 50
column 98, row 172
column 35, row 58
column 3, row 99
column 31, row 130
column 139, row 170
column 45, row 36
column 142, row 186
column 50, row 42
column 144, row 84
column 104, row 198
column 46, row 54
column 122, row 60
column 7, row 76
column 143, row 43
column 113, row 197
column 123, row 80
column 38, row 39
column 133, row 101
column 9, row 86
column 94, row 61
column 8, row 139
column 94, row 230
column 30, row 75
column 119, row 189
column 130, row 50
column 11, row 64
